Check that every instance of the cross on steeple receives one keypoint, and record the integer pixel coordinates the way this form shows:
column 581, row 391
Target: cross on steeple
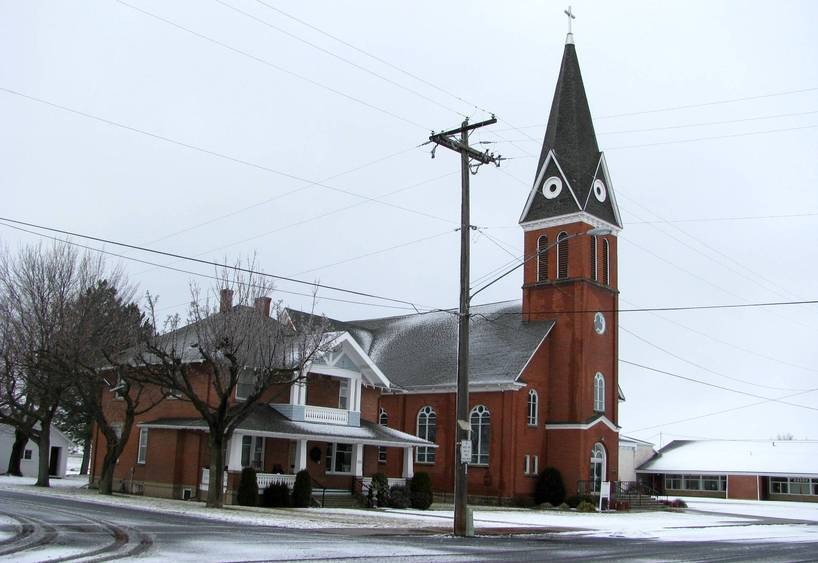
column 571, row 16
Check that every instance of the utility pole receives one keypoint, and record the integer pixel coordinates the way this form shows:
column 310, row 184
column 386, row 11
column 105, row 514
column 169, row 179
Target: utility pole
column 463, row 525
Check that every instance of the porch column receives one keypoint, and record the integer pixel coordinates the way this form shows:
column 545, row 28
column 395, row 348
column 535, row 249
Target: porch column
column 233, row 453
column 408, row 462
column 300, row 455
column 358, row 460
column 298, row 392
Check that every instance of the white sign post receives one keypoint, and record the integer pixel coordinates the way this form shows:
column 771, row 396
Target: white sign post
column 605, row 493
column 465, row 451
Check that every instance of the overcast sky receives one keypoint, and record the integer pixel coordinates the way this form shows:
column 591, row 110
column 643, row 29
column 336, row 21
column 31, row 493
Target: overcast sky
column 707, row 112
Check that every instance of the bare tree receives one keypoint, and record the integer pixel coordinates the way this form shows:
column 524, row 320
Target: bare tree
column 226, row 346
column 38, row 288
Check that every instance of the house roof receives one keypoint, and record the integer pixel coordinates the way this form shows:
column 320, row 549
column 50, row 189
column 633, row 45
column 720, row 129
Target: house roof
column 265, row 420
column 736, row 457
column 419, row 352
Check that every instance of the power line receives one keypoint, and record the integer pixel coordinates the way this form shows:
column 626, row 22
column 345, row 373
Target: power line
column 212, row 263
column 740, row 392
column 272, row 65
column 650, row 309
column 719, row 219
column 723, row 411
column 691, row 106
column 198, row 274
column 696, row 140
column 339, row 57
column 217, row 154
column 707, row 369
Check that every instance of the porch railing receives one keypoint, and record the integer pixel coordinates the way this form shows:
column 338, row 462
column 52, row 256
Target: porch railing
column 265, row 479
column 326, row 415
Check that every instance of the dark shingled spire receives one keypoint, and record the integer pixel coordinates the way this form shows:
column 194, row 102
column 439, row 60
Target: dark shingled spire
column 570, row 131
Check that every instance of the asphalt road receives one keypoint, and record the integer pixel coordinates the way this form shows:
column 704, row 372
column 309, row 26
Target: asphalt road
column 40, row 528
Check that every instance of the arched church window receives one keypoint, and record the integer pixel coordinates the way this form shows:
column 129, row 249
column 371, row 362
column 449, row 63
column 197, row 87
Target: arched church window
column 480, row 435
column 599, row 392
column 593, row 259
column 598, row 466
column 542, row 258
column 533, row 401
column 562, row 255
column 426, row 429
column 606, row 262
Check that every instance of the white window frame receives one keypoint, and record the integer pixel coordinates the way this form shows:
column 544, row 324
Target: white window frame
column 533, row 407
column 480, row 443
column 255, row 451
column 594, row 260
column 28, row 453
column 244, row 375
column 142, row 450
column 383, row 420
column 599, row 392
column 343, row 394
column 562, row 239
column 526, row 464
column 333, row 458
column 606, row 255
column 426, row 454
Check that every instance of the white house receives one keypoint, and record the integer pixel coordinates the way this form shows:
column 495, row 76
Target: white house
column 60, row 446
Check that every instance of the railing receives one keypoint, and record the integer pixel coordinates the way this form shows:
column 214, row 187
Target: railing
column 366, row 482
column 317, row 485
column 326, row 415
column 265, row 479
column 635, row 492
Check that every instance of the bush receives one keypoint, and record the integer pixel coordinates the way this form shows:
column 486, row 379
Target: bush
column 550, row 487
column 379, row 489
column 522, row 501
column 586, row 506
column 573, row 501
column 676, row 503
column 302, row 489
column 248, row 488
column 545, row 506
column 398, row 497
column 564, row 506
column 420, row 491
column 275, row 495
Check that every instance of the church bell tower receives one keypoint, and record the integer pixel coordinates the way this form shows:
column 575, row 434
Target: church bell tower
column 570, row 224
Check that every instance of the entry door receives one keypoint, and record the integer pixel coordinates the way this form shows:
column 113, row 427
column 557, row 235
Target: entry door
column 54, row 460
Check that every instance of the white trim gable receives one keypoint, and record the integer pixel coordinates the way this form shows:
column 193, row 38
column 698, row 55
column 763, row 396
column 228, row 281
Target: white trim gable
column 580, row 217
column 551, row 156
column 580, row 426
column 371, row 373
column 611, row 191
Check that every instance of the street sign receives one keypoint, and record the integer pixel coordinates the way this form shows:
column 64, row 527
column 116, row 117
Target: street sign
column 465, row 451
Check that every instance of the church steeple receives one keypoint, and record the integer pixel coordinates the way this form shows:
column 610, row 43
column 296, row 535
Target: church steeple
column 571, row 165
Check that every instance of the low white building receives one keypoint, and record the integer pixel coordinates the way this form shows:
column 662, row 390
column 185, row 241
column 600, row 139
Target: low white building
column 748, row 469
column 60, row 447
column 632, row 454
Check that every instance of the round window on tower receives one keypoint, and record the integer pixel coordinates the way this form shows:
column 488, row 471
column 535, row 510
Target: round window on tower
column 552, row 187
column 600, row 193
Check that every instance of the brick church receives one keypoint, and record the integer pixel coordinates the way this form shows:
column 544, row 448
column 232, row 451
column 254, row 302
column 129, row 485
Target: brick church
column 543, row 370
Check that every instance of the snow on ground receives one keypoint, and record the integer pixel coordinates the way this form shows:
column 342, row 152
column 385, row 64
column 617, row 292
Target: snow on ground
column 765, row 509
column 708, row 519
column 8, row 528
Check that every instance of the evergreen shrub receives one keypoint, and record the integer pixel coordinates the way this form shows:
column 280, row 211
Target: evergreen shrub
column 302, row 489
column 379, row 489
column 248, row 488
column 420, row 491
column 275, row 495
column 550, row 487
column 586, row 506
column 398, row 497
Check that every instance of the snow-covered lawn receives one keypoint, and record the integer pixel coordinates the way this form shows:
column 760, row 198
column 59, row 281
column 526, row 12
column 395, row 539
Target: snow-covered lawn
column 747, row 520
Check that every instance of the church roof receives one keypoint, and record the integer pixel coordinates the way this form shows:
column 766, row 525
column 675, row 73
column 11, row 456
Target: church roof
column 570, row 152
column 419, row 352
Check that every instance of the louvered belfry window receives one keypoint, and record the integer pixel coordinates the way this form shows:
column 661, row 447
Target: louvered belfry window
column 593, row 259
column 542, row 258
column 562, row 255
column 606, row 262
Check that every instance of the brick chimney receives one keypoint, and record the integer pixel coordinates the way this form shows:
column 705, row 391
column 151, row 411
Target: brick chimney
column 225, row 300
column 263, row 305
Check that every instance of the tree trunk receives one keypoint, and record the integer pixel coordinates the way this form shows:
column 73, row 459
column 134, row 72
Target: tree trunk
column 86, row 451
column 44, row 446
column 215, row 489
column 20, row 441
column 106, row 473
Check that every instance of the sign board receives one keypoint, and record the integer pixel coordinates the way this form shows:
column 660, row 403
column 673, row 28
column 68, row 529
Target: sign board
column 605, row 493
column 465, row 451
